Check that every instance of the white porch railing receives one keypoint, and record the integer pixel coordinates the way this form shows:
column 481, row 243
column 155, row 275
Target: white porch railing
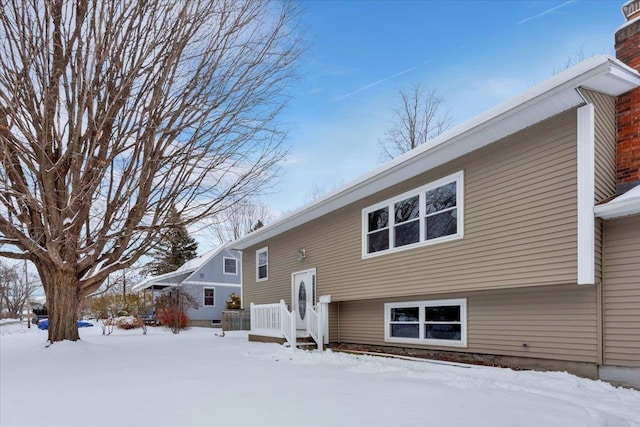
column 313, row 325
column 273, row 320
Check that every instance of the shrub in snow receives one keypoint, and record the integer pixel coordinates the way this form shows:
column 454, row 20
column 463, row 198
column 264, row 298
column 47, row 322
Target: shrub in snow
column 233, row 303
column 171, row 309
column 128, row 322
column 174, row 319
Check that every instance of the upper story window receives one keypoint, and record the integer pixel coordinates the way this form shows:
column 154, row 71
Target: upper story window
column 262, row 264
column 429, row 214
column 230, row 265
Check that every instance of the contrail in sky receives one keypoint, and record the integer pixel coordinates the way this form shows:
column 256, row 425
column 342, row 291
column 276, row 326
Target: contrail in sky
column 546, row 12
column 370, row 85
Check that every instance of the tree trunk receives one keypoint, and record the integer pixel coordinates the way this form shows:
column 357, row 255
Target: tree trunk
column 63, row 300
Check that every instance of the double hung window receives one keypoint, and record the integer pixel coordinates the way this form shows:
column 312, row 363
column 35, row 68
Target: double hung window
column 262, row 264
column 209, row 297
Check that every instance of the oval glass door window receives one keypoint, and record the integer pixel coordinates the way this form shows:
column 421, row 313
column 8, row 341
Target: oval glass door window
column 302, row 300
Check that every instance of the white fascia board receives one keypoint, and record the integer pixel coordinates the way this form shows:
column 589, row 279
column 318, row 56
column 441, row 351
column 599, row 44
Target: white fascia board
column 212, row 284
column 586, row 189
column 553, row 96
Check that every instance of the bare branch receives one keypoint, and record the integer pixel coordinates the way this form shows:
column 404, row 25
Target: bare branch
column 112, row 113
column 417, row 119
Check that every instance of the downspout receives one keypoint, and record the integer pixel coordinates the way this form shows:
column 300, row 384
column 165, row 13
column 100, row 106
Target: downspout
column 600, row 298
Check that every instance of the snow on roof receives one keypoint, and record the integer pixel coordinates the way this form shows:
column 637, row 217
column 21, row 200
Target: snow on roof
column 547, row 99
column 187, row 270
column 623, row 205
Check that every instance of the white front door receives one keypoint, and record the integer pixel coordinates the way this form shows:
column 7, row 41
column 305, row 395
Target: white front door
column 304, row 290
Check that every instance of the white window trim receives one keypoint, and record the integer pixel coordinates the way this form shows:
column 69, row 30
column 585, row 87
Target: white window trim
column 224, row 266
column 457, row 177
column 204, row 296
column 462, row 302
column 258, row 252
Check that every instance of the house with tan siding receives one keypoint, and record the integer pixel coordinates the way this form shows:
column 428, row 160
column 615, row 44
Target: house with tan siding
column 512, row 239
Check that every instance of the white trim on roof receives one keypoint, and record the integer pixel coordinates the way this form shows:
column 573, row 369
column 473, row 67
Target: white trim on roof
column 623, row 205
column 551, row 97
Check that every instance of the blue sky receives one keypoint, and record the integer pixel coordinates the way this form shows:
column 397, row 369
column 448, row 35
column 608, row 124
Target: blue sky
column 475, row 54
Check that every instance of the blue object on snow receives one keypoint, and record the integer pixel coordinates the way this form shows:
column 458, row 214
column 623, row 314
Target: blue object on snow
column 44, row 324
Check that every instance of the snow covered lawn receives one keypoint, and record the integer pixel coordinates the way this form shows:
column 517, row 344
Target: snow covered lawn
column 199, row 379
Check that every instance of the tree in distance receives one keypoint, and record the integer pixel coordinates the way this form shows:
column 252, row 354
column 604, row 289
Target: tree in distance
column 114, row 112
column 418, row 117
column 174, row 250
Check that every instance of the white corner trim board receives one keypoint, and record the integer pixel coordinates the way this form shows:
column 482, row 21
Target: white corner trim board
column 586, row 177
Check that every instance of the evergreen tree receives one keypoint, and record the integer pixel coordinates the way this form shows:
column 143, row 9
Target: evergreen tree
column 175, row 248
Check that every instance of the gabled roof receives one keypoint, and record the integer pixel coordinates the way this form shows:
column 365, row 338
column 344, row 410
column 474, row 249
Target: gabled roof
column 623, row 205
column 549, row 98
column 183, row 273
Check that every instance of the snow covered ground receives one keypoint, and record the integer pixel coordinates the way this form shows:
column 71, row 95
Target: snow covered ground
column 199, row 379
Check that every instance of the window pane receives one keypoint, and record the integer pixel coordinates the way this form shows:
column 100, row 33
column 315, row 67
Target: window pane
column 262, row 272
column 230, row 265
column 378, row 219
column 405, row 331
column 441, row 198
column 262, row 258
column 407, row 233
column 443, row 224
column 405, row 314
column 445, row 313
column 406, row 210
column 378, row 241
column 209, row 296
column 443, row 332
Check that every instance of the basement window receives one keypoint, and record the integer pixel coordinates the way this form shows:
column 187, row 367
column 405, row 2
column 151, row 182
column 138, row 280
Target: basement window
column 436, row 322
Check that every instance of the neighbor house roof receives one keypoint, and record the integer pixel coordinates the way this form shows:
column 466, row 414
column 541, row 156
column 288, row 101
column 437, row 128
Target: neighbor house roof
column 549, row 98
column 623, row 205
column 185, row 271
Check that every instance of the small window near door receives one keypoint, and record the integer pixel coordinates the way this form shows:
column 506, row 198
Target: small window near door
column 209, row 297
column 230, row 266
column 262, row 264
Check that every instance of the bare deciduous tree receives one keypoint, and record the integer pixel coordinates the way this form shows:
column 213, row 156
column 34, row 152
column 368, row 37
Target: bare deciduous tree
column 113, row 112
column 14, row 289
column 242, row 218
column 417, row 118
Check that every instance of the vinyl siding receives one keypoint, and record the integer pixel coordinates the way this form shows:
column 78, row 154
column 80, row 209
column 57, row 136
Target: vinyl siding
column 556, row 322
column 622, row 292
column 520, row 229
column 214, row 312
column 605, row 160
column 605, row 144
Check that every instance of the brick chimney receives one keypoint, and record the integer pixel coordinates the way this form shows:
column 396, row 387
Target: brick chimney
column 628, row 144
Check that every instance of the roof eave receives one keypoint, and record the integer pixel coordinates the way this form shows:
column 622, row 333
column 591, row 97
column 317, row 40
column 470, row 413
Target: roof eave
column 555, row 95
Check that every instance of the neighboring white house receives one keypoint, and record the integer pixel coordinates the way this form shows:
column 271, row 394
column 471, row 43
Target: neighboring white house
column 209, row 279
